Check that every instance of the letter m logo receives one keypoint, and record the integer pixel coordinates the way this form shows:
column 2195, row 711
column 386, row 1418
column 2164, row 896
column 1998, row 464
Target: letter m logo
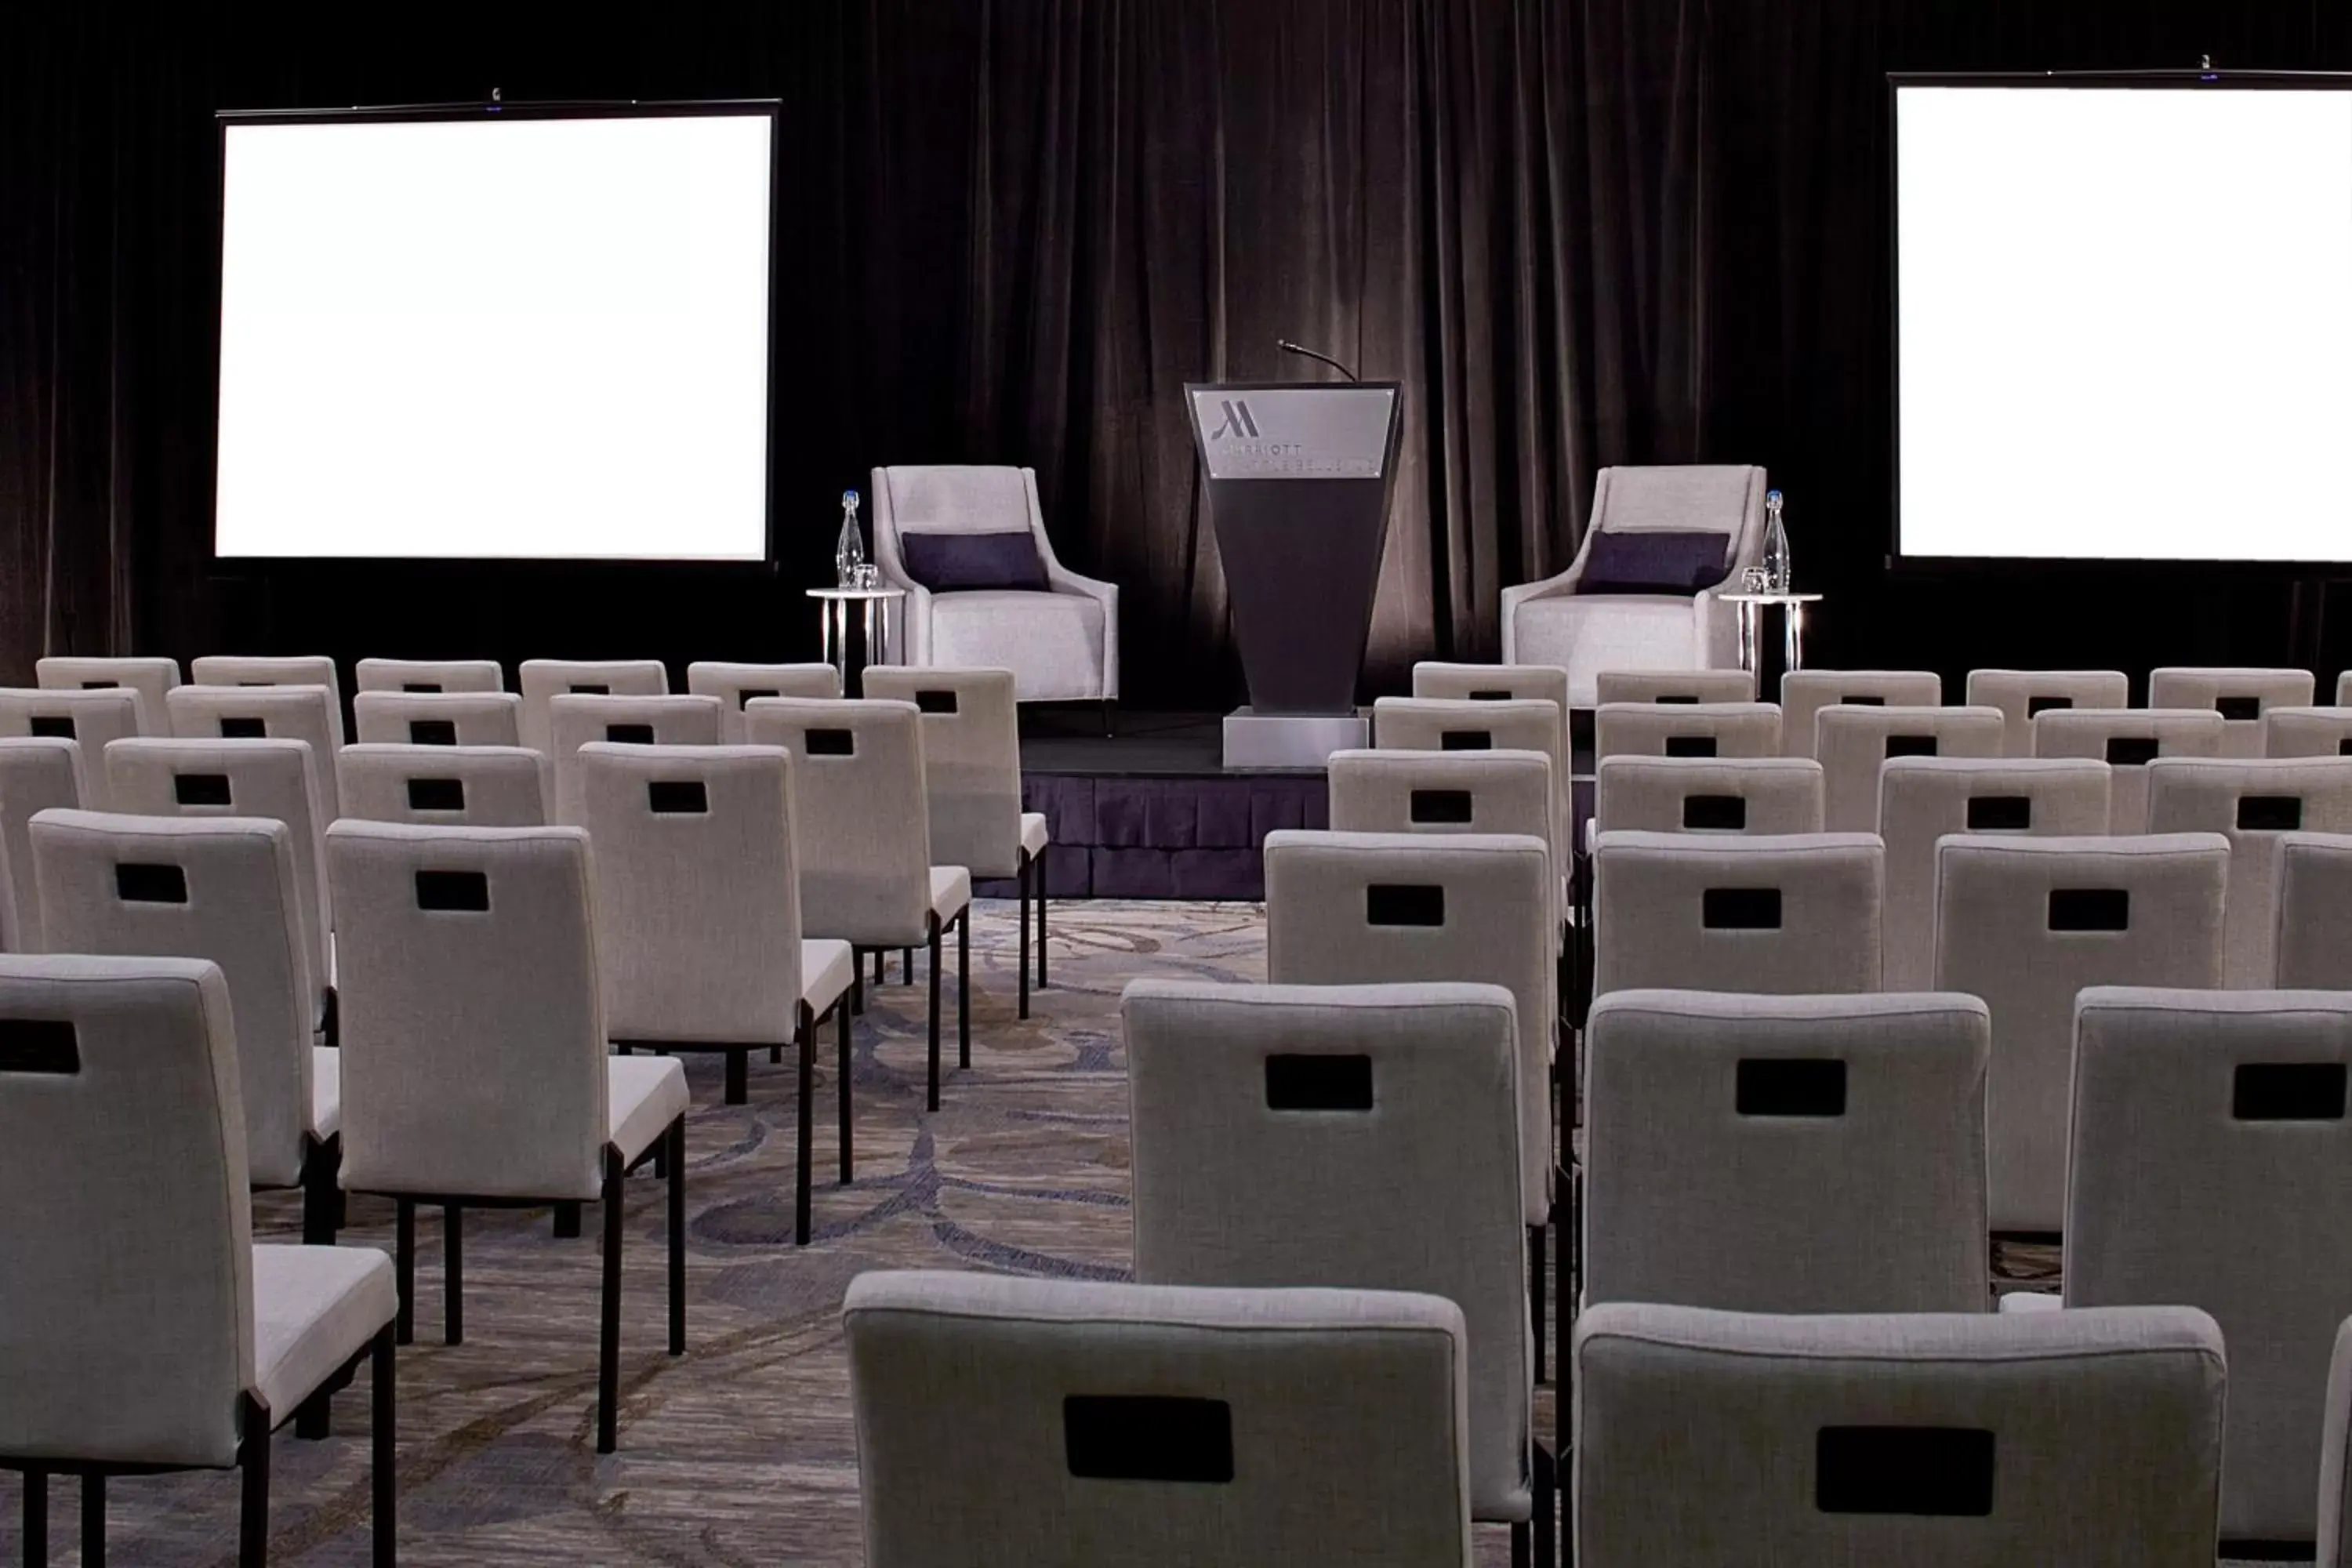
column 1236, row 422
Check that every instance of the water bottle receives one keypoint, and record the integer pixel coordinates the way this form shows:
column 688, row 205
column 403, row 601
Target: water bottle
column 1776, row 545
column 850, row 553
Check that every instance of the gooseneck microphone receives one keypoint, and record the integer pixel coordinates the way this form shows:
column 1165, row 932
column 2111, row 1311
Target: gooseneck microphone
column 1286, row 346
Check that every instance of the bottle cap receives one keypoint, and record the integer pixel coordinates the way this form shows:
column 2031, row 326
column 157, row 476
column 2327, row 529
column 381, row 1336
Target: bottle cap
column 849, row 499
column 1769, row 495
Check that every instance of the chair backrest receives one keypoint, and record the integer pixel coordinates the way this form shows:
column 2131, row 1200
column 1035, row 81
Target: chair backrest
column 2313, row 937
column 100, row 1049
column 235, row 778
column 2308, row 733
column 2026, row 923
column 736, row 684
column 238, row 669
column 223, row 888
column 1921, row 799
column 2127, row 739
column 2208, row 1168
column 1708, row 794
column 1365, row 908
column 698, row 896
column 306, row 714
column 540, row 679
column 1060, row 1424
column 2021, row 694
column 1805, row 692
column 1441, row 724
column 147, row 679
column 2241, row 696
column 952, row 498
column 1492, row 683
column 2254, row 802
column 863, row 814
column 971, row 761
column 1786, row 915
column 573, row 721
column 36, row 774
column 1935, row 1440
column 1441, row 792
column 1674, row 686
column 446, row 786
column 438, row 718
column 472, row 1031
column 94, row 718
column 1292, row 1135
column 426, row 677
column 1735, row 730
column 1854, row 744
column 1786, row 1153
column 1723, row 498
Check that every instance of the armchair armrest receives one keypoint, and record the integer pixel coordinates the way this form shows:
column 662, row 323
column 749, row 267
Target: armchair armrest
column 1062, row 580
column 914, row 610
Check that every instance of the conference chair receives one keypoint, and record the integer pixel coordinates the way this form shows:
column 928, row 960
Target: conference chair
column 36, row 774
column 698, row 907
column 1643, row 591
column 736, row 684
column 985, row 590
column 2208, row 1169
column 1708, row 794
column 1679, row 686
column 1805, row 692
column 438, row 718
column 1066, row 1424
column 450, row 786
column 542, row 679
column 2027, row 923
column 2313, row 936
column 1735, row 730
column 2127, row 739
column 1922, row 799
column 1787, row 914
column 2252, row 802
column 573, row 721
column 1356, row 1137
column 429, row 676
column 1441, row 724
column 1492, row 683
column 147, row 679
column 306, row 714
column 2241, row 696
column 1710, row 1439
column 971, row 778
column 472, row 962
column 2022, row 694
column 864, row 821
column 225, row 888
column 235, row 669
column 95, row 718
column 2308, row 733
column 146, row 1332
column 2336, row 1458
column 1854, row 743
column 1786, row 1153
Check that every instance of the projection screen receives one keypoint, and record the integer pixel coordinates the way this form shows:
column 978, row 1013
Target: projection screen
column 2123, row 321
column 534, row 336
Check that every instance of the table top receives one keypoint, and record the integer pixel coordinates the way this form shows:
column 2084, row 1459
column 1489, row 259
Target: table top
column 1769, row 598
column 857, row 593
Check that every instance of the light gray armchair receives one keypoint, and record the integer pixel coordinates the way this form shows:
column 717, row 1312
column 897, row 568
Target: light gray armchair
column 1062, row 644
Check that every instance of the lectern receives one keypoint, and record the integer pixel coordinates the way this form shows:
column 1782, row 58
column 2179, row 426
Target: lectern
column 1298, row 498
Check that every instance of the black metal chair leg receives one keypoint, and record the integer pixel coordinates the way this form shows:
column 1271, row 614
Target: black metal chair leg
column 253, row 1505
column 403, row 1267
column 321, row 1162
column 848, row 1134
column 608, row 1345
column 674, row 1145
column 1026, row 871
column 1547, row 1487
column 37, row 1518
column 1536, row 1293
column 1522, row 1543
column 93, row 1520
column 881, row 958
column 905, row 966
column 314, row 1417
column 856, row 982
column 1040, row 876
column 775, row 1056
column 805, row 1036
column 385, row 1489
column 453, row 1275
column 963, row 988
column 738, row 1077
column 932, row 1100
column 567, row 1221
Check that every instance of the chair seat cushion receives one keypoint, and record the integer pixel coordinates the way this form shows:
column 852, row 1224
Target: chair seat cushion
column 646, row 1094
column 957, row 562
column 828, row 968
column 1053, row 643
column 1586, row 636
column 950, row 890
column 326, row 1093
column 314, row 1308
column 1034, row 837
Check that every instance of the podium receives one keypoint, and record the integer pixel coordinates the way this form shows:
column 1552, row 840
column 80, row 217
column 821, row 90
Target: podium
column 1298, row 499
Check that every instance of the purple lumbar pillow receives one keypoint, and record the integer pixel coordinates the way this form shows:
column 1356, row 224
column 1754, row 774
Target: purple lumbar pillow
column 1641, row 561
column 949, row 562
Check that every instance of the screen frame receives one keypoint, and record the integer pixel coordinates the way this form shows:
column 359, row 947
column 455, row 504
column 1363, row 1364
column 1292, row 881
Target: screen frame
column 2201, row 78
column 772, row 108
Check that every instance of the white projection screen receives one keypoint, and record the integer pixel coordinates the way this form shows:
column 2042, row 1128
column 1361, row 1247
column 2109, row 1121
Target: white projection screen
column 532, row 336
column 2124, row 320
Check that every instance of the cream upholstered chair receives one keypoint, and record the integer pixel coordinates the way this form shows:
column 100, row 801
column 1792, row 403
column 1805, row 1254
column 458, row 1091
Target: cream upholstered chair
column 2241, row 696
column 473, row 962
column 2127, row 739
column 736, row 684
column 451, row 786
column 225, row 888
column 2313, row 938
column 1711, row 1439
column 1560, row 621
column 148, row 679
column 1805, row 692
column 698, row 905
column 1058, row 637
column 1064, row 1424
column 1470, row 725
column 1682, row 686
column 146, row 1332
column 1355, row 1137
column 2027, row 923
column 1854, row 743
column 1786, row 1153
column 1921, row 799
column 1687, row 730
column 2207, row 1168
column 2021, row 694
column 1708, row 794
column 437, row 719
column 2308, row 733
column 864, row 820
column 1785, row 915
column 36, row 774
column 425, row 677
column 542, row 680
column 2254, row 802
column 303, row 669
column 95, row 718
column 573, row 721
column 306, row 714
column 972, row 777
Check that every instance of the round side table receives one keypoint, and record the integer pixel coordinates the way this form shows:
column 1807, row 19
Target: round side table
column 832, row 609
column 1792, row 626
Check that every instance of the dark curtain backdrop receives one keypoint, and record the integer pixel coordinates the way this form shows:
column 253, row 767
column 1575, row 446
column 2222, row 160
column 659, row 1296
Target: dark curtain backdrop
column 1579, row 231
